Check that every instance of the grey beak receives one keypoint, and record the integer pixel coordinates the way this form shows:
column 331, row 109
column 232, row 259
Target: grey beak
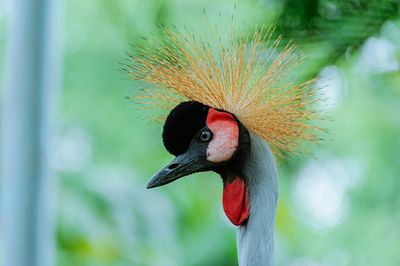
column 184, row 164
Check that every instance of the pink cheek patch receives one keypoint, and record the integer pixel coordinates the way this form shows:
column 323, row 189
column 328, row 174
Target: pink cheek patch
column 225, row 136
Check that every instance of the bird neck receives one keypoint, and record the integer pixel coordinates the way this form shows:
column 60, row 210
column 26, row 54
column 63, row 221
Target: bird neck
column 255, row 238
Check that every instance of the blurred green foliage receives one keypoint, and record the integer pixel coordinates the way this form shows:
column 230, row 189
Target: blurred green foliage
column 340, row 207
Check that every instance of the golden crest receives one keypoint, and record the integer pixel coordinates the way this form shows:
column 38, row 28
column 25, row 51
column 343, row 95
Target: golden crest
column 249, row 76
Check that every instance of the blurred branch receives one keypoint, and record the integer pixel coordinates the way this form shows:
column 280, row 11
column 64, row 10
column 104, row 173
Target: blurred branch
column 340, row 24
column 31, row 80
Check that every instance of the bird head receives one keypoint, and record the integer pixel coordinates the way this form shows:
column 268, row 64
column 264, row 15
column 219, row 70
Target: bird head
column 202, row 138
column 223, row 89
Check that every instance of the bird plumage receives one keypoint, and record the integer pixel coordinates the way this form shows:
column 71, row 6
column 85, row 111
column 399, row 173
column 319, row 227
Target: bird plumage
column 255, row 240
column 228, row 96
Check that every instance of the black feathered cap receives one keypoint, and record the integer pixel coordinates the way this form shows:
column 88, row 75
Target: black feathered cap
column 182, row 123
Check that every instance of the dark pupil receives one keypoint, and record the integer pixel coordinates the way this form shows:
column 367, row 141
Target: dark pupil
column 205, row 135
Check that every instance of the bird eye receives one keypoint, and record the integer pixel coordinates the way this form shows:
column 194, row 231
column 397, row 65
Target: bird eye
column 205, row 135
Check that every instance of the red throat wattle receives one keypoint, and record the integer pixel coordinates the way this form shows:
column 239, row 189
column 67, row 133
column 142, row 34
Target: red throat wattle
column 235, row 201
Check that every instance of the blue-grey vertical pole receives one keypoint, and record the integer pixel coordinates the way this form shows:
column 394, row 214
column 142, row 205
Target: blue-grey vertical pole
column 32, row 75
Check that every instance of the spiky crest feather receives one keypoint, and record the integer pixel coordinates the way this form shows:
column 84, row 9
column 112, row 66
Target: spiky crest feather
column 248, row 77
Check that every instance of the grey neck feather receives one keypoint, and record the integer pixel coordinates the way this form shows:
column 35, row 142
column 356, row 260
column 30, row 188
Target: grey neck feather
column 255, row 240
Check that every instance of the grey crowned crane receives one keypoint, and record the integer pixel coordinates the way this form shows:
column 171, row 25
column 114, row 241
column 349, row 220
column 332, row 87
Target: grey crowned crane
column 234, row 103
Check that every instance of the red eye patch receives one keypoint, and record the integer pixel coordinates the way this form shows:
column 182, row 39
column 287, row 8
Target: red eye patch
column 225, row 136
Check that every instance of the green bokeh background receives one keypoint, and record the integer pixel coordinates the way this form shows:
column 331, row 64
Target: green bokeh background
column 339, row 207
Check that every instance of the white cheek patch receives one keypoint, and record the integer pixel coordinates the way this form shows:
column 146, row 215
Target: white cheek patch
column 225, row 136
